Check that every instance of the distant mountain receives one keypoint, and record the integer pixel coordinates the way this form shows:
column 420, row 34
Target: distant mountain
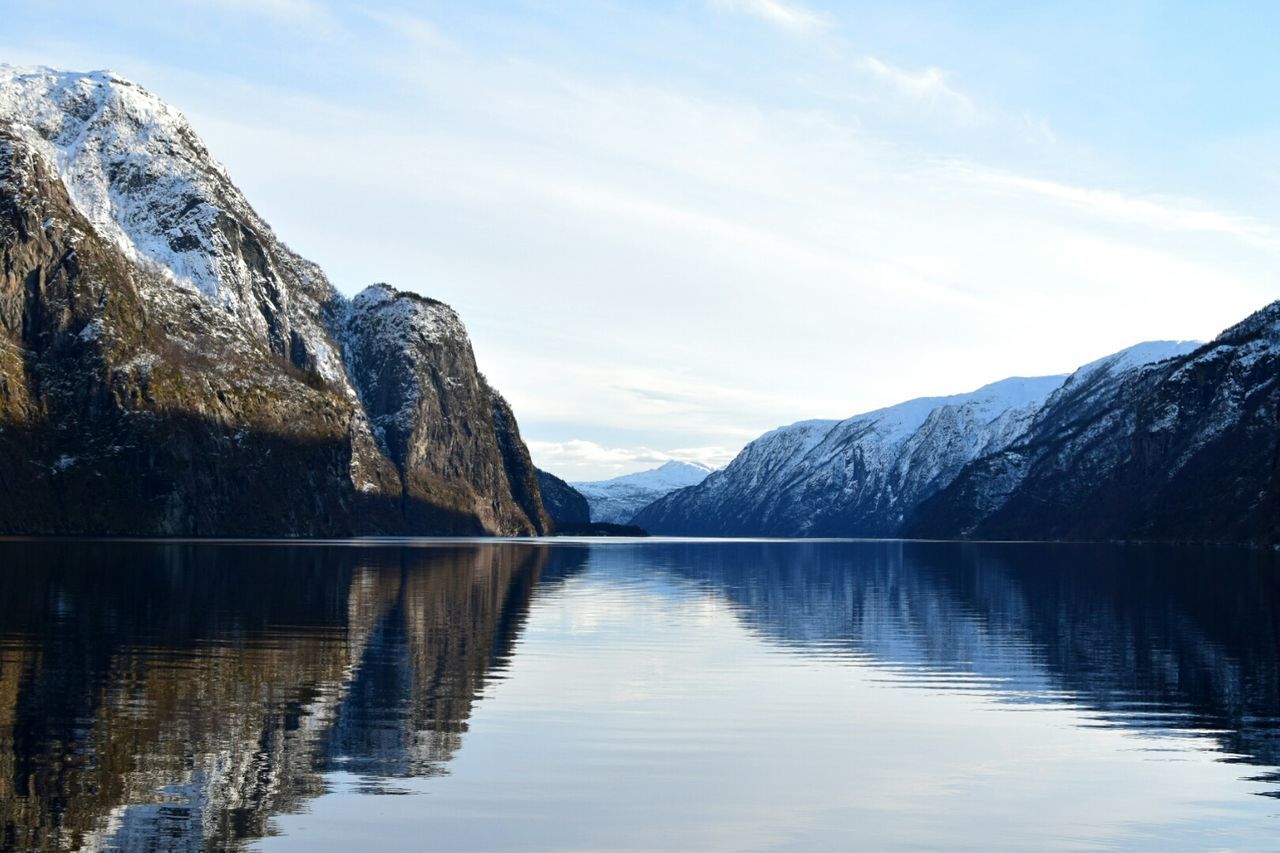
column 867, row 475
column 169, row 366
column 565, row 504
column 616, row 501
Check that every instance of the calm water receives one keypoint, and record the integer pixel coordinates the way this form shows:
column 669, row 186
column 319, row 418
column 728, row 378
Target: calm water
column 639, row 695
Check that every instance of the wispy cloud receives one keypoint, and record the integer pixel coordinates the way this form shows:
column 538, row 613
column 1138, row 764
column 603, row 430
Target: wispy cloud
column 926, row 84
column 790, row 16
column 1159, row 213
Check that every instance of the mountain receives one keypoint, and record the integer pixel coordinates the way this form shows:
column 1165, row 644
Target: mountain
column 616, row 501
column 1183, row 449
column 565, row 504
column 169, row 366
column 865, row 476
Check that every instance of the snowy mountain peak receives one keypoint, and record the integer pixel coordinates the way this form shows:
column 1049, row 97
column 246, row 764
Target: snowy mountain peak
column 404, row 314
column 615, row 501
column 900, row 421
column 133, row 166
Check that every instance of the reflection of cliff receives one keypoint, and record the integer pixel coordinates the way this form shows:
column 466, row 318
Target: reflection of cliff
column 1163, row 638
column 179, row 696
column 428, row 654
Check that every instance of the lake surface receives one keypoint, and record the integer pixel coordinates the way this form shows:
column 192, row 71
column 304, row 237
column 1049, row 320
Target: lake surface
column 637, row 694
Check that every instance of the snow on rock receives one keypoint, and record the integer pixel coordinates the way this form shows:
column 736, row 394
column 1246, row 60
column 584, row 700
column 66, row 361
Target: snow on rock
column 132, row 165
column 1180, row 444
column 135, row 168
column 616, row 501
column 201, row 302
column 864, row 476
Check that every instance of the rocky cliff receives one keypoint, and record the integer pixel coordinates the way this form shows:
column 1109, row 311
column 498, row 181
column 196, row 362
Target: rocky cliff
column 169, row 366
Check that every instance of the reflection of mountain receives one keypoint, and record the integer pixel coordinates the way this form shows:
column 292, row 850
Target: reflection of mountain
column 179, row 696
column 1167, row 639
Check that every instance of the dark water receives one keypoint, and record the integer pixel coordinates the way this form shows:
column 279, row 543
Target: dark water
column 730, row 695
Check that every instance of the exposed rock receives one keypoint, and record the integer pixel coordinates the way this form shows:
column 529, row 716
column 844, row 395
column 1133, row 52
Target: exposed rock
column 168, row 366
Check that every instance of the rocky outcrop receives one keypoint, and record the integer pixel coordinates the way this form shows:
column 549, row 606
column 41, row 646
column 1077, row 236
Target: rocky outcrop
column 168, row 366
column 453, row 439
column 565, row 504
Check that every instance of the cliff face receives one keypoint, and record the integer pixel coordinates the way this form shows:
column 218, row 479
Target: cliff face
column 452, row 437
column 168, row 366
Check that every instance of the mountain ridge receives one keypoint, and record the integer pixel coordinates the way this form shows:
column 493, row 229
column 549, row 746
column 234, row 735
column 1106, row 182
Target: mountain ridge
column 865, row 475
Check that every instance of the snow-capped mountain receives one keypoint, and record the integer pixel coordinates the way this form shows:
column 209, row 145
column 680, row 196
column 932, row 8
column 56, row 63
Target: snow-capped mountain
column 616, row 501
column 866, row 475
column 168, row 365
column 1182, row 449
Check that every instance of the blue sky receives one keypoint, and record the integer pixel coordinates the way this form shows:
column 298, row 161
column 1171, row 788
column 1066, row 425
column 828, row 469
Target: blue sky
column 672, row 226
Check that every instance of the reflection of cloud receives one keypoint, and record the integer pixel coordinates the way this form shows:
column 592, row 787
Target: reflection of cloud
column 789, row 15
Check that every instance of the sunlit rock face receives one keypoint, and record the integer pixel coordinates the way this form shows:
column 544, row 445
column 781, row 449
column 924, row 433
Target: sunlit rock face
column 168, row 365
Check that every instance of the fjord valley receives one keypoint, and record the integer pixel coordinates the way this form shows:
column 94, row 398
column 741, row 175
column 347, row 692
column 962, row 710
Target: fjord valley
column 296, row 556
column 169, row 366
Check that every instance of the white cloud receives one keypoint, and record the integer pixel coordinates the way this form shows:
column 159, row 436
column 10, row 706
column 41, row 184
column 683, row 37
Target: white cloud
column 927, row 84
column 784, row 15
column 1164, row 214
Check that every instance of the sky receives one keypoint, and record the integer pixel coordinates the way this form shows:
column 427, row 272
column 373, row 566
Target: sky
column 672, row 226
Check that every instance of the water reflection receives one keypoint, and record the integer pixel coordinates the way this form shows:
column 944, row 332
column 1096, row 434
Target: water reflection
column 1177, row 639
column 175, row 696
